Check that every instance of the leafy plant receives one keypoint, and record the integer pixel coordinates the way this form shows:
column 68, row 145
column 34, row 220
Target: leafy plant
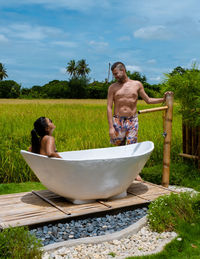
column 167, row 211
column 18, row 243
column 185, row 83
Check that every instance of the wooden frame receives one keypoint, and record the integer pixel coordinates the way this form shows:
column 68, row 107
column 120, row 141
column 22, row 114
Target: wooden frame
column 167, row 125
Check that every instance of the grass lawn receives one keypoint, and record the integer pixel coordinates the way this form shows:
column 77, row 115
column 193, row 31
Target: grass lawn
column 7, row 188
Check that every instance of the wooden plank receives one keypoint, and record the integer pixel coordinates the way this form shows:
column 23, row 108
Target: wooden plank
column 28, row 209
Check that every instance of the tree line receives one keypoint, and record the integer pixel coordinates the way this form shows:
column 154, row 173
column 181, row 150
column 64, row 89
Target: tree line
column 78, row 86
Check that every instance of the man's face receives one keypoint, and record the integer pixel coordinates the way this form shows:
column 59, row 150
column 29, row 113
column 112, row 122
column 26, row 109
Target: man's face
column 119, row 74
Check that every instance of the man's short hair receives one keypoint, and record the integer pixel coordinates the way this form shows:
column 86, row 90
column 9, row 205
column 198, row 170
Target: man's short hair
column 119, row 65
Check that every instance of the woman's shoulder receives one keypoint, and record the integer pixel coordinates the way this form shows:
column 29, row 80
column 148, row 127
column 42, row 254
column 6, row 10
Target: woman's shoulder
column 48, row 138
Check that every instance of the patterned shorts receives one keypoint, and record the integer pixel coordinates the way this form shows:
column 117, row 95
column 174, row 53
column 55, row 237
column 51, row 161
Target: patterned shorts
column 126, row 130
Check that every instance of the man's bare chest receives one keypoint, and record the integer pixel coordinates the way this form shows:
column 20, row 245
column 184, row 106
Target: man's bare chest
column 126, row 92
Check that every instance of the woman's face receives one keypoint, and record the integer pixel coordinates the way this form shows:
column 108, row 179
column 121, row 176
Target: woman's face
column 50, row 125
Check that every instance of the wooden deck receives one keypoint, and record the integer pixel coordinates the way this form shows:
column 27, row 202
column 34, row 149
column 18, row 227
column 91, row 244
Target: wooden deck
column 26, row 208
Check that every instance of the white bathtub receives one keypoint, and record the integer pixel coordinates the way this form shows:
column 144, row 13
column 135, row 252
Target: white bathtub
column 82, row 176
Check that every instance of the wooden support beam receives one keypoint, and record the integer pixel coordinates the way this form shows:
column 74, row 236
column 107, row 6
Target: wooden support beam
column 162, row 108
column 188, row 156
column 167, row 139
column 50, row 202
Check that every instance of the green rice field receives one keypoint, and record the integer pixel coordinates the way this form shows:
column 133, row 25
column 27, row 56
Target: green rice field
column 80, row 124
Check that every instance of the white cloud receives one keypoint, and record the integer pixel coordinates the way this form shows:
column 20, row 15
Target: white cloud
column 77, row 5
column 67, row 44
column 124, row 38
column 98, row 44
column 192, row 62
column 3, row 39
column 157, row 32
column 62, row 70
column 157, row 78
column 151, row 61
column 31, row 32
column 133, row 68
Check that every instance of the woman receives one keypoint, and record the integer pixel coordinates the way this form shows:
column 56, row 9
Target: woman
column 43, row 142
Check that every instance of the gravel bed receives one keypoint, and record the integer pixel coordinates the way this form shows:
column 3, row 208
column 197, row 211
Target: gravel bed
column 143, row 243
column 89, row 227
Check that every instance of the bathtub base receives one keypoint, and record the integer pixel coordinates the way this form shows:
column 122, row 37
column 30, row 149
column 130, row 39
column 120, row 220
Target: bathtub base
column 119, row 196
column 78, row 202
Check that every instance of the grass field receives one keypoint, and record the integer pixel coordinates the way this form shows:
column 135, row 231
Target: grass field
column 80, row 124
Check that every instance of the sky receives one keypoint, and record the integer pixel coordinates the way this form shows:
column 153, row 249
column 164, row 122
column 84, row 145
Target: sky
column 39, row 37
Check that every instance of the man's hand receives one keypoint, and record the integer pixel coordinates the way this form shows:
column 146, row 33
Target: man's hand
column 167, row 93
column 112, row 133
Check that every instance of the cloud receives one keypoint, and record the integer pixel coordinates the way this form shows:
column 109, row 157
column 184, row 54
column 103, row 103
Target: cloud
column 27, row 31
column 157, row 32
column 67, row 44
column 98, row 44
column 124, row 38
column 62, row 70
column 133, row 68
column 157, row 78
column 3, row 39
column 151, row 61
column 77, row 5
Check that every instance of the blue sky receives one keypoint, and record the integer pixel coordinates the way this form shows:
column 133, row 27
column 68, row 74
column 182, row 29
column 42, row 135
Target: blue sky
column 39, row 37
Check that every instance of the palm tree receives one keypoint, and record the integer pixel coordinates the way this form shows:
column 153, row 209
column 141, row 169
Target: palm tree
column 82, row 68
column 72, row 68
column 3, row 73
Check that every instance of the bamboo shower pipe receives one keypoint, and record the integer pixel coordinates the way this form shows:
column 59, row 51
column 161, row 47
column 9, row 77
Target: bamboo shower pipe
column 167, row 125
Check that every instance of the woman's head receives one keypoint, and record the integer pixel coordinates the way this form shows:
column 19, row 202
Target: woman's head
column 42, row 126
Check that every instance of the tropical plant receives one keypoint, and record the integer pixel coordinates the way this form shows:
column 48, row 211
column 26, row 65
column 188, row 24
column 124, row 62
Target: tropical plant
column 72, row 68
column 185, row 83
column 3, row 73
column 77, row 69
column 82, row 68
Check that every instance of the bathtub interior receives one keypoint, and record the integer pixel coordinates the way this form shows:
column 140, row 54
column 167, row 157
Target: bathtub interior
column 132, row 150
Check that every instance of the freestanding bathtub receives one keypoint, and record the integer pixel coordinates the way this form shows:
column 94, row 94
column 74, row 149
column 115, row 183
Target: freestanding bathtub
column 86, row 175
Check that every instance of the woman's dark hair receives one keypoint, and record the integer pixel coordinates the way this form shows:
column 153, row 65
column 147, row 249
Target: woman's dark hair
column 38, row 133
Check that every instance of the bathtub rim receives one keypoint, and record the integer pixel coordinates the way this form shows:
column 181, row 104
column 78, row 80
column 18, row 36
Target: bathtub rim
column 150, row 149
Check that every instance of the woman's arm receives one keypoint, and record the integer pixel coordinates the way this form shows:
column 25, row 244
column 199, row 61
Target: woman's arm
column 50, row 148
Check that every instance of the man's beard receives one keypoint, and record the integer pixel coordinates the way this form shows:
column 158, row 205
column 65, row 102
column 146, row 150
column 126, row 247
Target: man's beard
column 121, row 80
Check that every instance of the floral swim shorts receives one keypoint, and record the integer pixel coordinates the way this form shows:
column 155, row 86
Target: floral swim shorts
column 126, row 130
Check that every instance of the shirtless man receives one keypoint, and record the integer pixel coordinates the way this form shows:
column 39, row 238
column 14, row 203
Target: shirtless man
column 123, row 125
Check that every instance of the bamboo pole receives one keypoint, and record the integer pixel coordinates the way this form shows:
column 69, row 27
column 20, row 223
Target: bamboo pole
column 167, row 140
column 188, row 156
column 184, row 137
column 153, row 109
column 198, row 147
column 187, row 139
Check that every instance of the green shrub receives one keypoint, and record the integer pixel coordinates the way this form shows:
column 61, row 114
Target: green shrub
column 18, row 243
column 185, row 84
column 167, row 211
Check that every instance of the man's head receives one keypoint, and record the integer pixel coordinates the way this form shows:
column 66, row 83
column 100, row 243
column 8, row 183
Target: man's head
column 118, row 65
column 119, row 72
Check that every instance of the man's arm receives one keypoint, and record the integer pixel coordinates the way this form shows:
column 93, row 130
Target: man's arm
column 148, row 99
column 109, row 112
